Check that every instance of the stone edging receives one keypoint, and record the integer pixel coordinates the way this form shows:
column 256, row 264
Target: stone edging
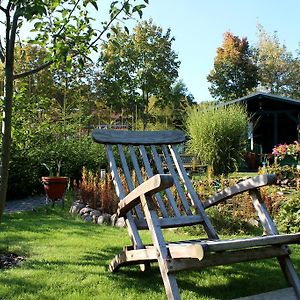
column 89, row 214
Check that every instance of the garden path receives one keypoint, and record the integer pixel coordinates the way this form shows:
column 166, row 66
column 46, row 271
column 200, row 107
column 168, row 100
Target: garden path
column 28, row 203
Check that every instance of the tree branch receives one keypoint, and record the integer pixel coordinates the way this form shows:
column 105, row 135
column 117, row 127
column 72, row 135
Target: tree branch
column 33, row 71
column 107, row 26
column 2, row 56
column 3, row 9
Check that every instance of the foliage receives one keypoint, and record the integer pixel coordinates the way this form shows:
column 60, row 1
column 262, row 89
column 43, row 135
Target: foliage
column 235, row 73
column 134, row 67
column 286, row 175
column 278, row 68
column 288, row 219
column 218, row 136
column 26, row 163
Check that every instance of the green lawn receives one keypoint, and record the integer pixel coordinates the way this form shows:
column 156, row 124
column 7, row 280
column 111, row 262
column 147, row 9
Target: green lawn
column 67, row 259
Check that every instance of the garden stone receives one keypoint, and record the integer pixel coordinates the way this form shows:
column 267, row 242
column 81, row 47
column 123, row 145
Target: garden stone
column 120, row 223
column 85, row 215
column 88, row 218
column 74, row 209
column 95, row 219
column 85, row 210
column 104, row 219
column 95, row 213
column 113, row 219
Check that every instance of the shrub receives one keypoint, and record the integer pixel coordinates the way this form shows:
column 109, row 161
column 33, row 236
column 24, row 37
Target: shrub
column 288, row 219
column 26, row 162
column 218, row 136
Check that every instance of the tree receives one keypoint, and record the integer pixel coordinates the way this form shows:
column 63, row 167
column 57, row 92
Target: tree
column 136, row 66
column 66, row 29
column 278, row 68
column 235, row 74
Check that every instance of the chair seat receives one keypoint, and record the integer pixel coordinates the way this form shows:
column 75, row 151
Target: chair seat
column 232, row 244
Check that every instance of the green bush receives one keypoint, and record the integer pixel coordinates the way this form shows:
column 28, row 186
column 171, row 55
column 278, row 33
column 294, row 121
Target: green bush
column 26, row 167
column 218, row 136
column 288, row 219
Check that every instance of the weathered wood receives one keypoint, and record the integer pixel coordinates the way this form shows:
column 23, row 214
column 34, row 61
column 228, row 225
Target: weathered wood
column 150, row 254
column 140, row 176
column 128, row 178
column 172, row 222
column 290, row 273
column 105, row 136
column 150, row 173
column 159, row 243
column 212, row 234
column 179, row 188
column 222, row 245
column 153, row 185
column 241, row 187
column 262, row 212
column 131, row 227
column 227, row 258
column 159, row 167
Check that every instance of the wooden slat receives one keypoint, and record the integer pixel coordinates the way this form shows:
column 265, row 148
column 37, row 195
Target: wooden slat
column 105, row 136
column 128, row 178
column 241, row 187
column 172, row 222
column 227, row 258
column 222, row 245
column 139, row 174
column 131, row 227
column 192, row 194
column 176, row 181
column 158, row 164
column 150, row 174
column 153, row 185
column 262, row 212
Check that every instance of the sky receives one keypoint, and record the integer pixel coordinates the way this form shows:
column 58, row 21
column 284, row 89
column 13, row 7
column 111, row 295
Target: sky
column 198, row 27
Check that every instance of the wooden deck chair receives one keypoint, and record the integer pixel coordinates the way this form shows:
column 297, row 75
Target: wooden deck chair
column 151, row 205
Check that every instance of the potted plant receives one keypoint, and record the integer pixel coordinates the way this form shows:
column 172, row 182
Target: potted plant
column 54, row 186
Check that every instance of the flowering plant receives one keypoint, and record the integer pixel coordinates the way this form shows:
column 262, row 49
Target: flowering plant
column 283, row 149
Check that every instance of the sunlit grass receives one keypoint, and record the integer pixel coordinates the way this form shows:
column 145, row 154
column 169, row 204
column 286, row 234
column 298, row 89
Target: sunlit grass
column 67, row 258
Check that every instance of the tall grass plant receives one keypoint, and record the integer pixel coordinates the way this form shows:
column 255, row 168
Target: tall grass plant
column 218, row 136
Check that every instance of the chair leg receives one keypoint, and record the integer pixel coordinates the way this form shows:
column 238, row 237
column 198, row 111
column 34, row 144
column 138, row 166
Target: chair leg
column 170, row 284
column 290, row 274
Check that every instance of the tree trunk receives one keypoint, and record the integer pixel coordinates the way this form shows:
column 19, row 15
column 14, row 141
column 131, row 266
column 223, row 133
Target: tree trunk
column 6, row 131
column 11, row 29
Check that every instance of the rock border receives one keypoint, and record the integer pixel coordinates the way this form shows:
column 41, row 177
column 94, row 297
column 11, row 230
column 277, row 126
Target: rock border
column 96, row 216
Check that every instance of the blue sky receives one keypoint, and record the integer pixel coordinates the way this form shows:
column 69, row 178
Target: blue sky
column 198, row 28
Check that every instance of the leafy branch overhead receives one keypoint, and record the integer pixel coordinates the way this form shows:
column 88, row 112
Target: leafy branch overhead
column 65, row 28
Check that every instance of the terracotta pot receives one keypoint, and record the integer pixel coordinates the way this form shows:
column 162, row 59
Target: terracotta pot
column 55, row 187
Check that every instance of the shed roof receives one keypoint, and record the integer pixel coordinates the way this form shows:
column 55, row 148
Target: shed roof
column 261, row 95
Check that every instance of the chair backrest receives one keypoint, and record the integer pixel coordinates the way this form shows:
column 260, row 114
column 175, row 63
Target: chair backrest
column 135, row 156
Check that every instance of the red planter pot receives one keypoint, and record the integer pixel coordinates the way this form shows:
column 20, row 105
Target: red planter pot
column 55, row 187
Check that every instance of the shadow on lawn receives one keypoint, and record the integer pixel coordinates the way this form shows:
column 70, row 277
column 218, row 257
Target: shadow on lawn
column 223, row 282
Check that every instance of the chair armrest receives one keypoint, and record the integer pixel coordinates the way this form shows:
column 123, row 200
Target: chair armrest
column 151, row 186
column 246, row 185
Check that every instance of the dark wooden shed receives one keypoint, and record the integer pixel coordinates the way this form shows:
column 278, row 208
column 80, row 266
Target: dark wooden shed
column 276, row 119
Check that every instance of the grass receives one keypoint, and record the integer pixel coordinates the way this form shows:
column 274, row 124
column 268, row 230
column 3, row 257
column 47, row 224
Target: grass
column 67, row 258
